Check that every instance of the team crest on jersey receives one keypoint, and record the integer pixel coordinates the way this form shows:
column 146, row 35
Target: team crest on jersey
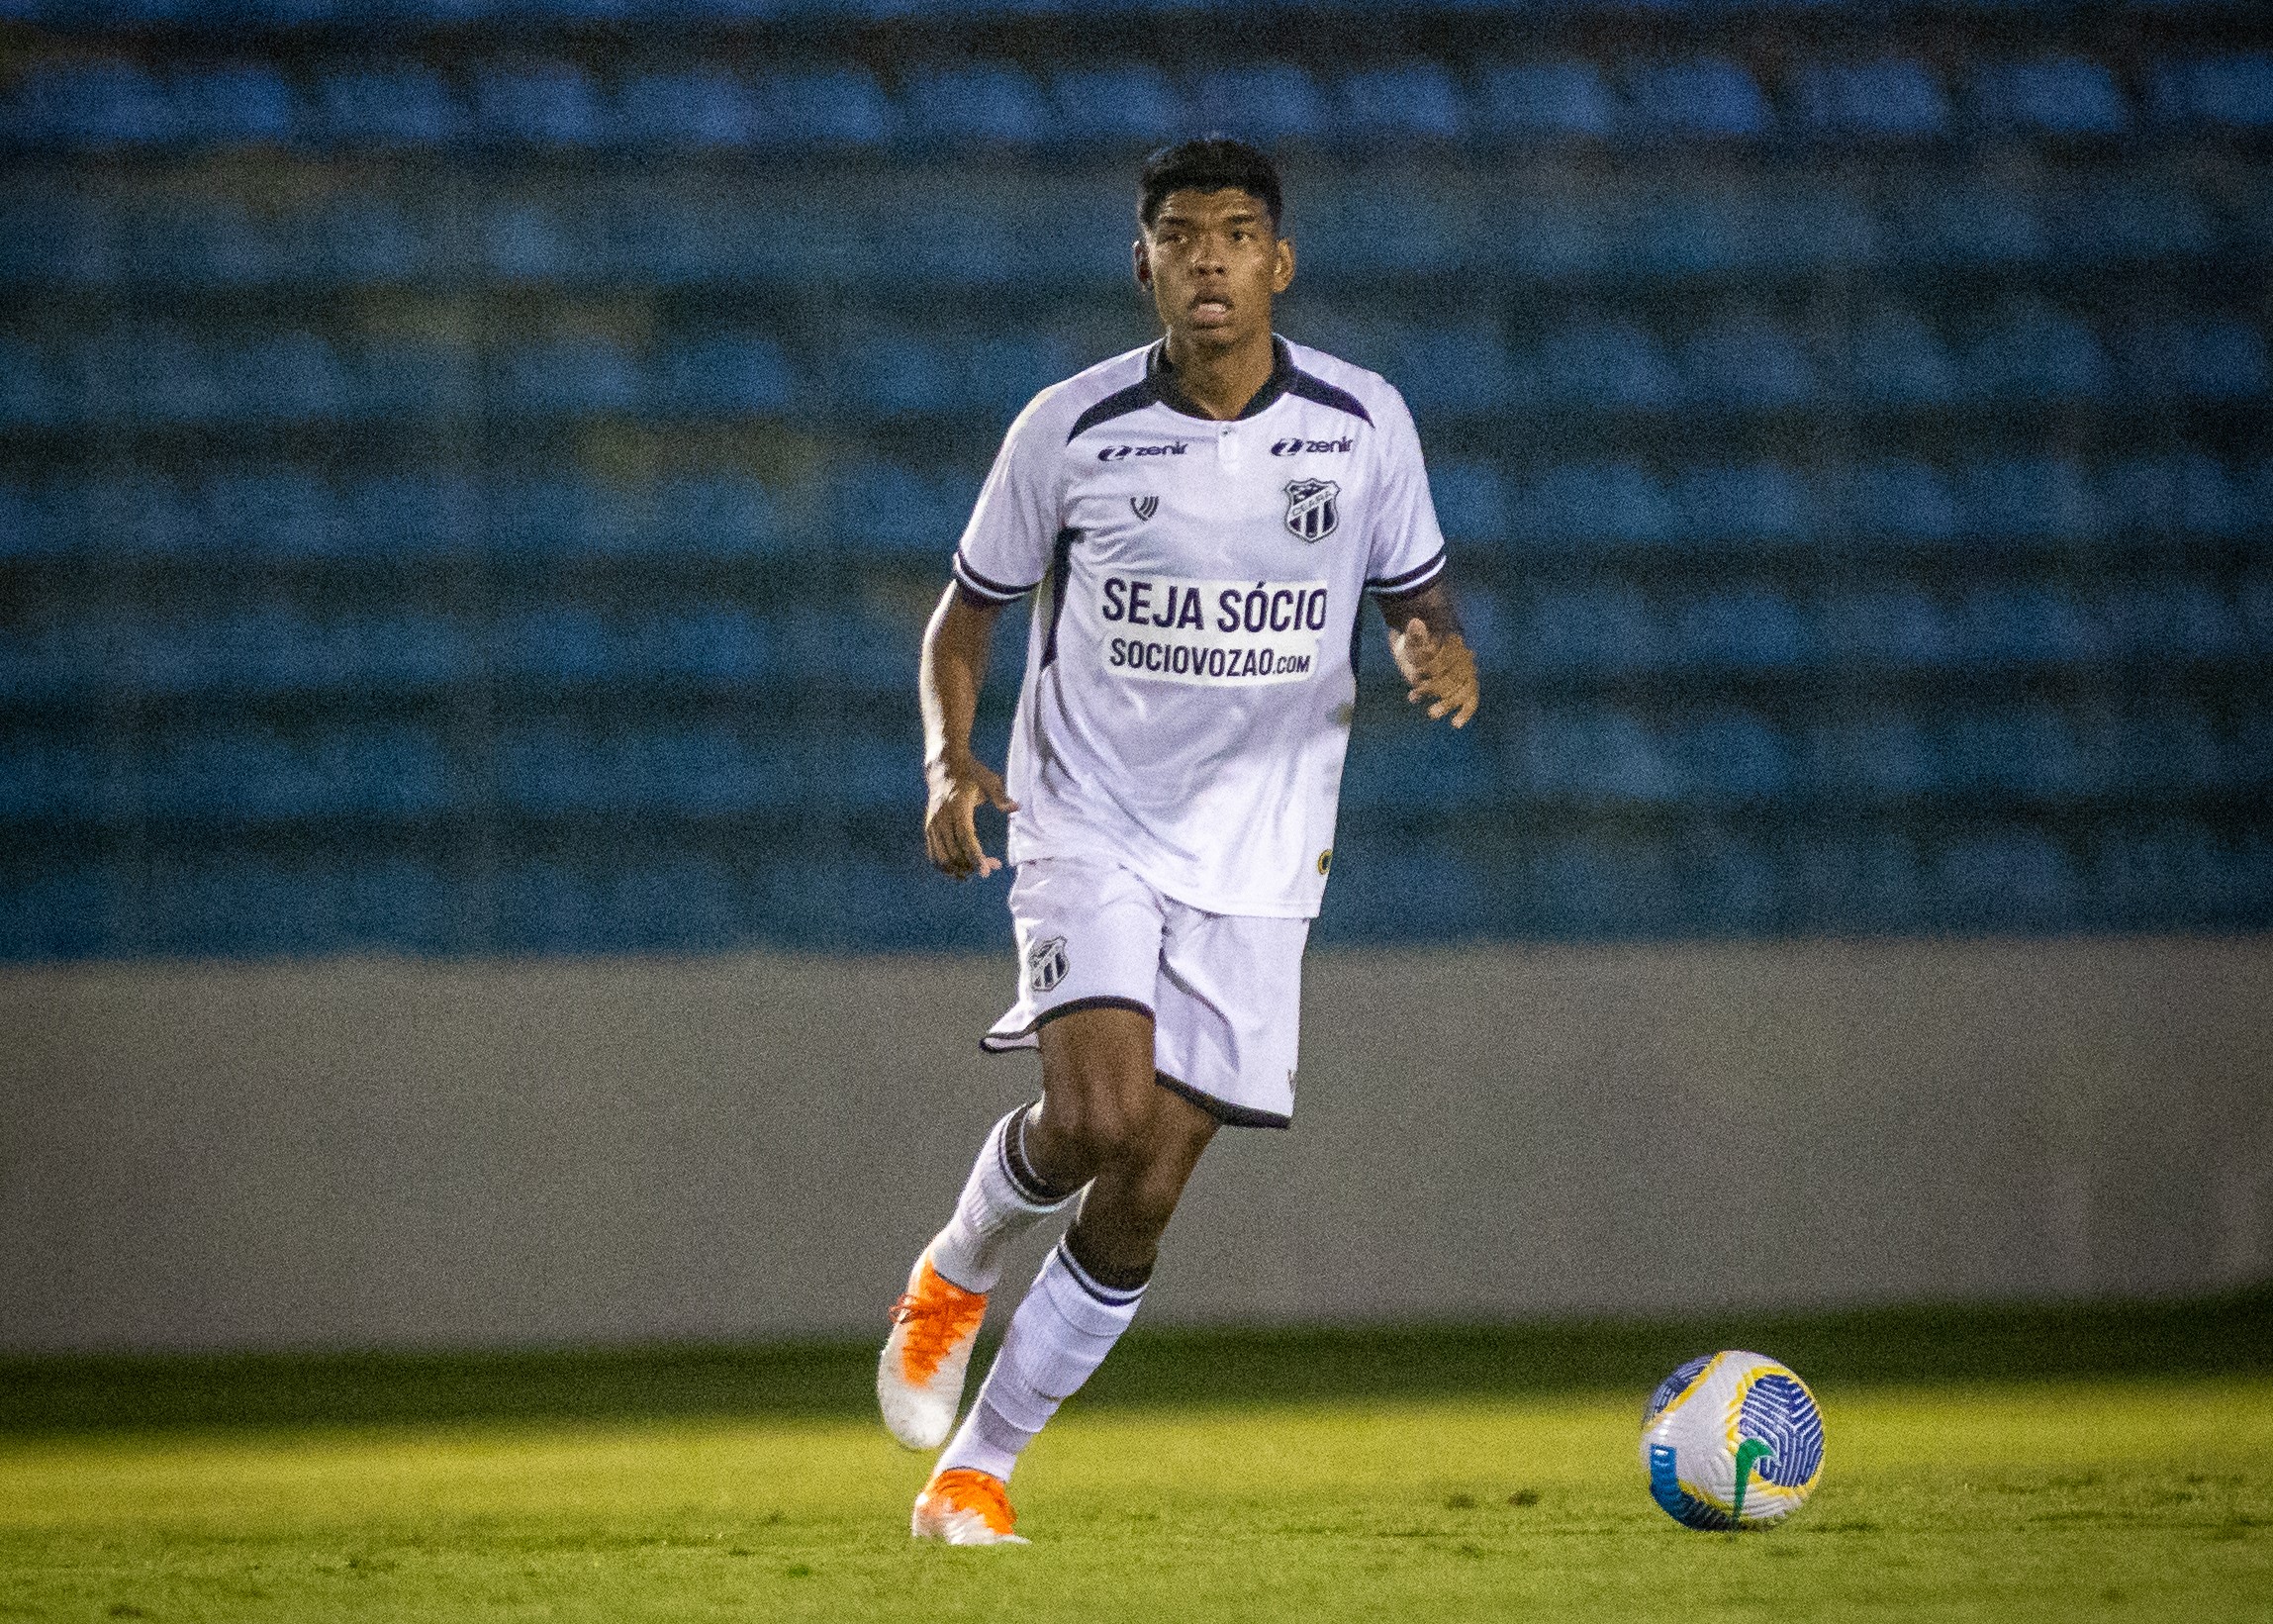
column 1144, row 507
column 1046, row 964
column 1312, row 509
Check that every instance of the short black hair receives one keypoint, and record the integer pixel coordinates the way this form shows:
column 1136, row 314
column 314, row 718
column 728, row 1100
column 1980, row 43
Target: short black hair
column 1214, row 164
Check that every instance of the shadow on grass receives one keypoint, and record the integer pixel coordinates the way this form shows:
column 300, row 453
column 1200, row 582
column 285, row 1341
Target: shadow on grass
column 88, row 1393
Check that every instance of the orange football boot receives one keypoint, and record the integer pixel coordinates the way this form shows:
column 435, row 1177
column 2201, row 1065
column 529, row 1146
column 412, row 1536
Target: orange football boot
column 920, row 1378
column 966, row 1508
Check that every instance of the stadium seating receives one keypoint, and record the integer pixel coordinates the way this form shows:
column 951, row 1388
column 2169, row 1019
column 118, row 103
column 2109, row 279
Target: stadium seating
column 449, row 430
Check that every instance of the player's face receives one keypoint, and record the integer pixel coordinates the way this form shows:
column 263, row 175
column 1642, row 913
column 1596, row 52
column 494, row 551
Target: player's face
column 1213, row 263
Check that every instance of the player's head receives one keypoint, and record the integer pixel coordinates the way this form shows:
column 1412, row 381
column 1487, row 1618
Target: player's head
column 1209, row 250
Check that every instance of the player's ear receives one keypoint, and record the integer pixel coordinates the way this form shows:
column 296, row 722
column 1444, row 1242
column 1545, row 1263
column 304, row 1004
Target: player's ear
column 1282, row 273
column 1141, row 262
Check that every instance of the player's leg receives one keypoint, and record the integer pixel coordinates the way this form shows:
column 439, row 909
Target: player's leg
column 1106, row 1122
column 935, row 1323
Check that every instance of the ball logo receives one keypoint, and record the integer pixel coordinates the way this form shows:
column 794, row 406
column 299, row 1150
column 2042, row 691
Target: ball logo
column 1311, row 510
column 1046, row 964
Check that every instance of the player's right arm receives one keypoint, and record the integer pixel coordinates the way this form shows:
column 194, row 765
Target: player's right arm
column 953, row 667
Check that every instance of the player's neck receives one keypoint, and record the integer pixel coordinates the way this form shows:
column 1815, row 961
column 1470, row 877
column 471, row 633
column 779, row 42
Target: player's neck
column 1220, row 381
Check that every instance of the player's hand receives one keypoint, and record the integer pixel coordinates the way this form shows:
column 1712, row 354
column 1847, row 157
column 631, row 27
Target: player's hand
column 950, row 821
column 1444, row 672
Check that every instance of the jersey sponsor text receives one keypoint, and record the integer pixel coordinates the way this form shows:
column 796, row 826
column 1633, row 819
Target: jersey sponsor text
column 1211, row 633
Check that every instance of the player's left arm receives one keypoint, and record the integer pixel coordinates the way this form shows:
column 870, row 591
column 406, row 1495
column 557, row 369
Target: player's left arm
column 1426, row 641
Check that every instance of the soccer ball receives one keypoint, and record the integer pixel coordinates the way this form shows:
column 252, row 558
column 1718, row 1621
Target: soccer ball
column 1732, row 1440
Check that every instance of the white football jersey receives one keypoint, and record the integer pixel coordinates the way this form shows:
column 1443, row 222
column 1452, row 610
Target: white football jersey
column 1188, row 685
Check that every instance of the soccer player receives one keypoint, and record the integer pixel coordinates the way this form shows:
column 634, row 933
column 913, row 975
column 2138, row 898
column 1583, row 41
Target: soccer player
column 1197, row 522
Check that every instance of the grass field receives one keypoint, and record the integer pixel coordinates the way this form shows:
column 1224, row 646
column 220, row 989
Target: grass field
column 2072, row 1498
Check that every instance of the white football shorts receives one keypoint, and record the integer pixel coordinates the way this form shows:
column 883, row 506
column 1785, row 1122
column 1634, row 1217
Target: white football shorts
column 1224, row 989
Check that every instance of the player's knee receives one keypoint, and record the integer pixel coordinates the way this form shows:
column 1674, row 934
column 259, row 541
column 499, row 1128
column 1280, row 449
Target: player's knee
column 1084, row 1131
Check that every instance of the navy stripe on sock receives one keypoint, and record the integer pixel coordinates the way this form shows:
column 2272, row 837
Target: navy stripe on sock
column 1089, row 1282
column 1011, row 1149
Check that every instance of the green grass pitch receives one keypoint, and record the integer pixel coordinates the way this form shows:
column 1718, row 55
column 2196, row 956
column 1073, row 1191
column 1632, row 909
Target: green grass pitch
column 1394, row 1492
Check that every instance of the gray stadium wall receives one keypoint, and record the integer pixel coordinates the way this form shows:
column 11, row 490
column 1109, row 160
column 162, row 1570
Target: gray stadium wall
column 384, row 1153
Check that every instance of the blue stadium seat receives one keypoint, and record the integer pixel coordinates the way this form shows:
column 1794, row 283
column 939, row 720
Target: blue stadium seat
column 961, row 241
column 384, row 771
column 198, row 243
column 1705, row 96
column 858, row 650
column 548, row 907
column 125, row 517
column 94, row 104
column 407, row 652
column 1417, row 101
column 1264, row 102
column 54, row 235
column 1376, row 879
column 708, row 643
column 548, row 769
column 2233, row 90
column 2030, row 498
column 1807, row 221
column 1366, row 228
column 1391, row 763
column 2058, row 95
column 59, row 911
column 1002, row 374
column 360, row 241
column 1544, row 100
column 1733, row 755
column 2027, row 749
column 1137, row 103
column 150, row 374
column 859, row 772
column 717, row 515
column 552, row 104
column 562, row 518
column 831, row 107
column 559, row 643
column 666, row 240
column 698, row 771
column 43, row 662
column 675, row 906
column 242, row 103
column 2172, row 749
column 1470, row 503
column 2039, row 351
column 390, row 107
column 286, row 377
column 1944, row 221
column 1895, row 358
column 1747, row 504
column 724, row 375
column 1749, row 363
column 573, row 377
column 1608, row 365
column 1603, row 887
column 1448, row 369
column 45, row 780
column 1885, row 756
column 22, row 525
column 2026, row 625
column 1894, row 625
column 2124, row 216
column 1608, row 629
column 2209, row 357
column 1901, row 500
column 525, row 240
column 408, row 516
column 1863, row 884
column 280, row 514
column 1594, row 754
column 231, row 773
column 417, row 377
column 395, row 903
column 2188, row 494
column 1591, row 503
column 1754, row 629
column 29, row 397
column 1699, row 233
column 2014, row 881
column 996, row 106
column 702, row 108
column 883, row 508
column 1558, row 238
column 2173, row 874
column 1891, row 98
column 894, row 374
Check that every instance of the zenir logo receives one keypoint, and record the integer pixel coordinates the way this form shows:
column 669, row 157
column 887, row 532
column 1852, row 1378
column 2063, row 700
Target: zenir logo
column 1295, row 448
column 1144, row 507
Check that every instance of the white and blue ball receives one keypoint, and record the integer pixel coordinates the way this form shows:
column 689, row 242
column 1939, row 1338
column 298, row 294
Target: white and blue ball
column 1732, row 1440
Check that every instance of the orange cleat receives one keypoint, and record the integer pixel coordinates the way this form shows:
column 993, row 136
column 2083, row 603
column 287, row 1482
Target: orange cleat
column 966, row 1508
column 920, row 1378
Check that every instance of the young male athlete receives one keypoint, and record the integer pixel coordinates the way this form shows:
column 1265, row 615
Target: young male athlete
column 1197, row 521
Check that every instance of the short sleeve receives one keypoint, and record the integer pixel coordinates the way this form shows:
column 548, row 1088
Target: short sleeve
column 1005, row 548
column 1407, row 550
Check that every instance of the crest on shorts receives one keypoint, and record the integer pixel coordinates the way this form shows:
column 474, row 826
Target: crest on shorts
column 1144, row 507
column 1312, row 508
column 1046, row 964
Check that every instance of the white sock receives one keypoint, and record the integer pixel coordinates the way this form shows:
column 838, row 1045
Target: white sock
column 1062, row 1332
column 1001, row 1200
